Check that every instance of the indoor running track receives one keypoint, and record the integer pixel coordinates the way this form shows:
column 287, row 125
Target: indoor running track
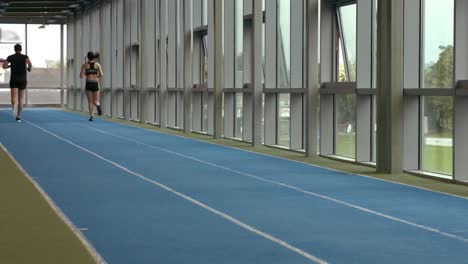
column 144, row 197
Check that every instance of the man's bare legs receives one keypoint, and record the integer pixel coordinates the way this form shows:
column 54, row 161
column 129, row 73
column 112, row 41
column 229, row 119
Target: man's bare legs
column 21, row 94
column 14, row 99
column 17, row 102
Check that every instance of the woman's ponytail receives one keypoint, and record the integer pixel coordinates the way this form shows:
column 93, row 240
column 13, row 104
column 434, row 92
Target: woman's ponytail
column 92, row 55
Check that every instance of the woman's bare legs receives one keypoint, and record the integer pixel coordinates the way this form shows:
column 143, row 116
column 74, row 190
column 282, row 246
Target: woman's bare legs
column 90, row 97
column 96, row 101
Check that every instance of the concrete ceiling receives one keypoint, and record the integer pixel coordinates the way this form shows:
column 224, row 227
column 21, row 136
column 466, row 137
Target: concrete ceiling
column 41, row 11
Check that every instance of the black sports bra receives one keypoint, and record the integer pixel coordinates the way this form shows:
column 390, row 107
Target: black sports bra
column 91, row 69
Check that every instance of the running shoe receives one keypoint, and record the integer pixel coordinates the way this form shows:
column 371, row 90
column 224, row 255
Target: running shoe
column 18, row 119
column 91, row 119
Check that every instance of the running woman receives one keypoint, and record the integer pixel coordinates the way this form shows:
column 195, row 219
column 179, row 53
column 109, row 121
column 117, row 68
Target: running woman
column 93, row 72
column 18, row 81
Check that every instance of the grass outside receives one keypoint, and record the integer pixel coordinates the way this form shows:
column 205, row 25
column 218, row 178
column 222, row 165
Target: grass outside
column 30, row 230
column 346, row 145
column 437, row 159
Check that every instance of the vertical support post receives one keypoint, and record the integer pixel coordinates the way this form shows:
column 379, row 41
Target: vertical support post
column 312, row 77
column 257, row 87
column 143, row 61
column 62, row 92
column 328, row 42
column 188, row 61
column 76, row 63
column 218, row 69
column 412, row 76
column 364, row 54
column 163, row 60
column 390, row 36
column 127, row 60
column 26, row 52
column 460, row 145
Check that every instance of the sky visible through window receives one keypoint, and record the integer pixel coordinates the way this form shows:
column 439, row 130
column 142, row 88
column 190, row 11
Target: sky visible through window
column 438, row 25
column 438, row 22
column 43, row 44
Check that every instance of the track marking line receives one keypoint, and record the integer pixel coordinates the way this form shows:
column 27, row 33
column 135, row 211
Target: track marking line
column 291, row 187
column 277, row 157
column 192, row 200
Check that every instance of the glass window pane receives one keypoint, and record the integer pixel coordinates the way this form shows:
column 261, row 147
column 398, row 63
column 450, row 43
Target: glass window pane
column 284, row 110
column 205, row 60
column 44, row 52
column 205, row 12
column 438, row 43
column 284, row 44
column 65, row 55
column 437, row 132
column 342, row 76
column 10, row 34
column 345, row 144
column 374, row 128
column 348, row 19
column 239, row 57
column 205, row 112
column 238, row 122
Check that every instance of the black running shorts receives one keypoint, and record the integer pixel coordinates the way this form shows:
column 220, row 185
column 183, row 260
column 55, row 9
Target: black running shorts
column 92, row 86
column 20, row 84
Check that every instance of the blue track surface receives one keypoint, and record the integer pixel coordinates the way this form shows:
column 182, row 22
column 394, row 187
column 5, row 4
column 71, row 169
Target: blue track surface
column 225, row 205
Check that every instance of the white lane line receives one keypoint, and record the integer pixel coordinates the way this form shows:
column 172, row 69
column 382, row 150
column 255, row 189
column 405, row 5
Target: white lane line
column 282, row 158
column 194, row 201
column 360, row 208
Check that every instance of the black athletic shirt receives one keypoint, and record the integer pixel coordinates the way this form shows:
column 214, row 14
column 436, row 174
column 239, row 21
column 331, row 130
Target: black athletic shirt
column 18, row 66
column 92, row 69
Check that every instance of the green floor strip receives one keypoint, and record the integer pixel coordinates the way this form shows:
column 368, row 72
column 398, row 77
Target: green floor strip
column 30, row 230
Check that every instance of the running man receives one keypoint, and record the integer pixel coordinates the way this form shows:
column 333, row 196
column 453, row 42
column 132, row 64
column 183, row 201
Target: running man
column 18, row 81
column 93, row 72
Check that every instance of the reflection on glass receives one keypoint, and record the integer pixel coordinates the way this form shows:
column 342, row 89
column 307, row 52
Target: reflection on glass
column 345, row 140
column 263, row 54
column 342, row 75
column 205, row 60
column 374, row 129
column 437, row 132
column 44, row 52
column 374, row 45
column 283, row 71
column 205, row 12
column 239, row 55
column 65, row 47
column 238, row 116
column 284, row 110
column 348, row 24
column 438, row 43
column 204, row 112
column 43, row 96
column 10, row 34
